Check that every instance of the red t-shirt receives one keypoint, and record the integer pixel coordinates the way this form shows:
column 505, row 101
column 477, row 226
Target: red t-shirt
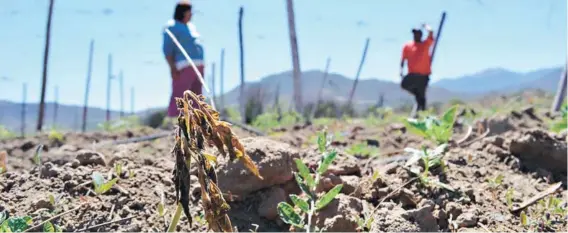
column 418, row 56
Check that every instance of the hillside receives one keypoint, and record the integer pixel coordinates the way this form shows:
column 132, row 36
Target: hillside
column 502, row 80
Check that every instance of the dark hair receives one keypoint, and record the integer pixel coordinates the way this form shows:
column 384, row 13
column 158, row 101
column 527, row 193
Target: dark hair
column 180, row 10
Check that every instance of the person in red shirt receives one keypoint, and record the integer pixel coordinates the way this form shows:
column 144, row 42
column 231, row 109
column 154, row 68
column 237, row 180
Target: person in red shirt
column 417, row 55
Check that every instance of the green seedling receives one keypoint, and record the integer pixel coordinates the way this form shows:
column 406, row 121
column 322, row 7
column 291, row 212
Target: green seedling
column 48, row 227
column 561, row 124
column 362, row 149
column 161, row 204
column 308, row 206
column 496, row 182
column 37, row 158
column 118, row 169
column 102, row 186
column 509, row 197
column 430, row 159
column 55, row 136
column 432, row 128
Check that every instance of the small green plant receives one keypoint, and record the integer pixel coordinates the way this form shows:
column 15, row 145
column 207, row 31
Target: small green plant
column 55, row 136
column 362, row 149
column 118, row 169
column 128, row 122
column 306, row 206
column 561, row 124
column 102, row 186
column 509, row 197
column 496, row 182
column 430, row 159
column 14, row 224
column 545, row 215
column 5, row 133
column 432, row 128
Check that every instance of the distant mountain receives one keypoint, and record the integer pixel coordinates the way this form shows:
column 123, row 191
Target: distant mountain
column 502, row 80
column 68, row 116
column 337, row 88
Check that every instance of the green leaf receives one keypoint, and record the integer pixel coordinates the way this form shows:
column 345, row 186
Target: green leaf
column 450, row 115
column 18, row 224
column 326, row 161
column 287, row 214
column 416, row 127
column 52, row 199
column 376, row 175
column 524, row 219
column 98, row 179
column 305, row 173
column 58, row 228
column 48, row 227
column 499, row 179
column 2, row 217
column 322, row 137
column 160, row 209
column 302, row 185
column 301, row 203
column 442, row 185
column 107, row 186
column 328, row 197
column 37, row 154
column 118, row 169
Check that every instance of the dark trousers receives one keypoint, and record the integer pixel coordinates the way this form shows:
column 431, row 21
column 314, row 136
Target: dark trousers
column 416, row 84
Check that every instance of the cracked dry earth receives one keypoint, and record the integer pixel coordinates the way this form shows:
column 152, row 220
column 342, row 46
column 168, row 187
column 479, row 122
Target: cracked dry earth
column 519, row 148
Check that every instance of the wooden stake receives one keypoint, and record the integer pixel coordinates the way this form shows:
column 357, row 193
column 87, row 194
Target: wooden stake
column 295, row 57
column 358, row 72
column 320, row 92
column 438, row 34
column 23, row 117
column 121, row 83
column 221, row 74
column 87, row 86
column 45, row 62
column 560, row 91
column 55, row 106
column 242, row 91
column 108, row 87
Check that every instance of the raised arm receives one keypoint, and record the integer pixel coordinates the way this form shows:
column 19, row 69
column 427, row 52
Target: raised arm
column 430, row 39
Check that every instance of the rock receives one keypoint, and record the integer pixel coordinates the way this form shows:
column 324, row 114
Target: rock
column 536, row 149
column 373, row 142
column 494, row 140
column 27, row 145
column 340, row 214
column 40, row 203
column 391, row 220
column 498, row 125
column 327, row 182
column 49, row 170
column 68, row 148
column 88, row 157
column 468, row 219
column 406, row 198
column 269, row 204
column 273, row 159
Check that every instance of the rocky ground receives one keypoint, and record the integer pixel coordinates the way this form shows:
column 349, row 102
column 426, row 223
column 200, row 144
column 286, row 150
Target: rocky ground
column 377, row 190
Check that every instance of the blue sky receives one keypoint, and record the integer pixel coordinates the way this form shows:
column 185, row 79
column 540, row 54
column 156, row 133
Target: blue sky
column 478, row 34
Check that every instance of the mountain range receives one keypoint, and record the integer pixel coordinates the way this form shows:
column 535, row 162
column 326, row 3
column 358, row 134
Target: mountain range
column 336, row 87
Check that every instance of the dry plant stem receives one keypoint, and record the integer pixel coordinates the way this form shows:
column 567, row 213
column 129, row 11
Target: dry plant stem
column 54, row 217
column 550, row 190
column 106, row 223
column 312, row 203
column 469, row 131
column 175, row 218
column 483, row 226
column 478, row 138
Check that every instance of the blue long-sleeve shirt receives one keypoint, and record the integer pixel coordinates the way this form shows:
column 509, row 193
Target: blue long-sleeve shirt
column 188, row 37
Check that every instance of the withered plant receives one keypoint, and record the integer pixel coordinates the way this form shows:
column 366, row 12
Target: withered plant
column 199, row 124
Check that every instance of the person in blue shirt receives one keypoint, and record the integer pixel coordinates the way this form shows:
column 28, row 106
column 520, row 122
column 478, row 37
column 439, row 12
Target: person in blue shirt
column 182, row 74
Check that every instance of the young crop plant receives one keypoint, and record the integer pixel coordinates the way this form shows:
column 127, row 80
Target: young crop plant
column 430, row 159
column 23, row 223
column 546, row 215
column 434, row 129
column 197, row 125
column 561, row 124
column 308, row 205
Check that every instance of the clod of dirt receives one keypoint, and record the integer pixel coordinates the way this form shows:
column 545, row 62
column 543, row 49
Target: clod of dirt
column 391, row 220
column 454, row 209
column 274, row 160
column 269, row 204
column 406, row 198
column 27, row 145
column 350, row 183
column 340, row 214
column 467, row 219
column 88, row 157
column 498, row 125
column 423, row 216
column 39, row 203
column 327, row 182
column 49, row 170
column 342, row 165
column 536, row 149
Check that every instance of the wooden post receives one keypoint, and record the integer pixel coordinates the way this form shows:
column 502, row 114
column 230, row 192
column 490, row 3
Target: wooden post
column 108, row 87
column 87, row 87
column 320, row 92
column 358, row 72
column 45, row 62
column 213, row 94
column 131, row 100
column 221, row 73
column 242, row 91
column 23, row 116
column 121, row 83
column 295, row 57
column 277, row 102
column 560, row 91
column 438, row 34
column 55, row 106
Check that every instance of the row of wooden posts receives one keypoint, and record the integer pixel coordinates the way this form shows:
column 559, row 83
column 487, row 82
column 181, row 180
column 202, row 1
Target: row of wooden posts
column 297, row 95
